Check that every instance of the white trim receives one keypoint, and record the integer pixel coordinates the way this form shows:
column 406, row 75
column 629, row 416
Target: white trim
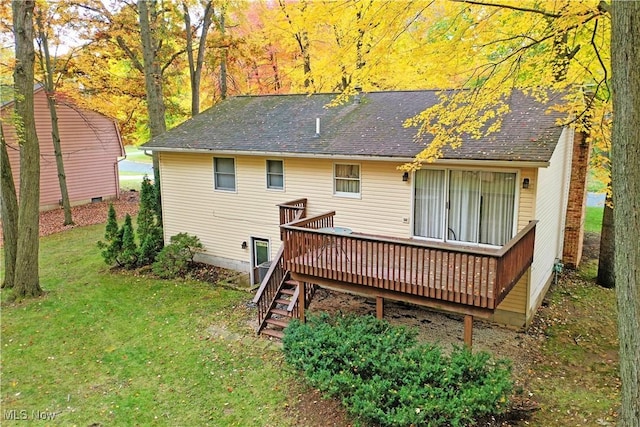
column 439, row 162
column 252, row 257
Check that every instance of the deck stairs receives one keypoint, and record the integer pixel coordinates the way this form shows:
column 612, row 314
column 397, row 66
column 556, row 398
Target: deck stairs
column 277, row 299
column 279, row 315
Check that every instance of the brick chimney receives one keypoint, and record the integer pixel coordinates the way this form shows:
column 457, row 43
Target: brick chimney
column 576, row 206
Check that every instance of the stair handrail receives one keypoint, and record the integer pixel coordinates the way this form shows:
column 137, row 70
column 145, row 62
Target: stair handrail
column 267, row 277
column 272, row 282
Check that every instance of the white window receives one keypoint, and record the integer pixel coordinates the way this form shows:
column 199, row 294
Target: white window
column 465, row 206
column 346, row 178
column 224, row 171
column 275, row 174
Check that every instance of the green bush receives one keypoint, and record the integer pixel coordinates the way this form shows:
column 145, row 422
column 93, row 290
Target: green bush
column 149, row 230
column 175, row 258
column 112, row 246
column 385, row 377
column 128, row 257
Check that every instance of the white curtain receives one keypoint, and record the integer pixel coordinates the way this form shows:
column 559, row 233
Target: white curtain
column 347, row 178
column 498, row 200
column 481, row 206
column 464, row 206
column 428, row 207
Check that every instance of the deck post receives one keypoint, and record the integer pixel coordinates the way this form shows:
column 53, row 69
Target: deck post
column 301, row 301
column 379, row 307
column 468, row 330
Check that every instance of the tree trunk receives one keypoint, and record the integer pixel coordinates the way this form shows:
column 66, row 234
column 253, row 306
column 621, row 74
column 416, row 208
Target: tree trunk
column 625, row 178
column 47, row 69
column 606, row 258
column 195, row 66
column 9, row 204
column 152, row 81
column 27, row 281
column 223, row 57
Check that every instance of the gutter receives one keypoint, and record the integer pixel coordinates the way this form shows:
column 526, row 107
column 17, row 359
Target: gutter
column 453, row 162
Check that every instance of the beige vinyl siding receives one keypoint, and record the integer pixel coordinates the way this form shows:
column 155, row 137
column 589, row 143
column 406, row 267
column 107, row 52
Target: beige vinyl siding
column 551, row 204
column 223, row 220
column 516, row 301
column 90, row 149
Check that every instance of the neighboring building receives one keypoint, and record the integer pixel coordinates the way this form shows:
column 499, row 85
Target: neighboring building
column 91, row 145
column 461, row 222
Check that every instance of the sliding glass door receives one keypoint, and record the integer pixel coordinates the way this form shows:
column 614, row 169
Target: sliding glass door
column 464, row 206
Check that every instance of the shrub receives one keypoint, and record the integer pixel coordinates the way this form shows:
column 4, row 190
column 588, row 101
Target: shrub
column 149, row 229
column 112, row 246
column 175, row 258
column 128, row 257
column 385, row 377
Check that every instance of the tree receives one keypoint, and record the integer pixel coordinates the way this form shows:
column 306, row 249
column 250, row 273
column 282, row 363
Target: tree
column 128, row 257
column 149, row 230
column 149, row 18
column 26, row 281
column 9, row 205
column 49, row 86
column 195, row 65
column 112, row 245
column 625, row 165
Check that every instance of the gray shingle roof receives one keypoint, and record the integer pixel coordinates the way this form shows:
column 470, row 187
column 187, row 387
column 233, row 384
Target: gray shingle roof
column 287, row 124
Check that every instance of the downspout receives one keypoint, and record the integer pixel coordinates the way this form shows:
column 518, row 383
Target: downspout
column 123, row 154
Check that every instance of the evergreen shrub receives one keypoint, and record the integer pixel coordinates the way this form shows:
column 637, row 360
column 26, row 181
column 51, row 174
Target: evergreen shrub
column 385, row 377
column 174, row 259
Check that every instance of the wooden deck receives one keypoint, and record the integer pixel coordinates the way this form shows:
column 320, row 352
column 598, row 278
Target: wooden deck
column 466, row 280
column 463, row 279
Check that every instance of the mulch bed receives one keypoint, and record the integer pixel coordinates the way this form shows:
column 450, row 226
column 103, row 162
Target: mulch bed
column 93, row 213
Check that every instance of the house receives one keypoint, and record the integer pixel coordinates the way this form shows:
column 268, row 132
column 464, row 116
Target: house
column 479, row 232
column 91, row 146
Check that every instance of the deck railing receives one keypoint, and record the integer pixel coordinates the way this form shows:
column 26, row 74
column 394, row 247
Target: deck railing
column 290, row 211
column 269, row 287
column 469, row 275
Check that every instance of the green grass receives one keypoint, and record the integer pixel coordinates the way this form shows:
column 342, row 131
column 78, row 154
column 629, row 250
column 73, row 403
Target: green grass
column 593, row 220
column 136, row 155
column 120, row 349
column 575, row 378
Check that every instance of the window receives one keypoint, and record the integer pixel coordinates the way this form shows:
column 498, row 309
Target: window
column 275, row 174
column 224, row 171
column 465, row 206
column 346, row 180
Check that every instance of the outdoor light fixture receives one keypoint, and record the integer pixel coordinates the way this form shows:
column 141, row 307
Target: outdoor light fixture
column 244, row 245
column 405, row 176
column 525, row 183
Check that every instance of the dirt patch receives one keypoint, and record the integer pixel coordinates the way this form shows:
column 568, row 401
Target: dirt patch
column 310, row 409
column 209, row 273
column 591, row 248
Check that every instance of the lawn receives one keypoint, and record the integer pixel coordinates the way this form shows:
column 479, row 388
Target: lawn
column 107, row 348
column 103, row 348
column 593, row 220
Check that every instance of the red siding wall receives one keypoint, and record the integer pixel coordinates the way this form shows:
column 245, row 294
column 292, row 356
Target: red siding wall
column 90, row 144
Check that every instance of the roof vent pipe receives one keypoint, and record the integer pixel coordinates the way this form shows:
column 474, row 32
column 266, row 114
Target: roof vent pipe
column 317, row 126
column 357, row 98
